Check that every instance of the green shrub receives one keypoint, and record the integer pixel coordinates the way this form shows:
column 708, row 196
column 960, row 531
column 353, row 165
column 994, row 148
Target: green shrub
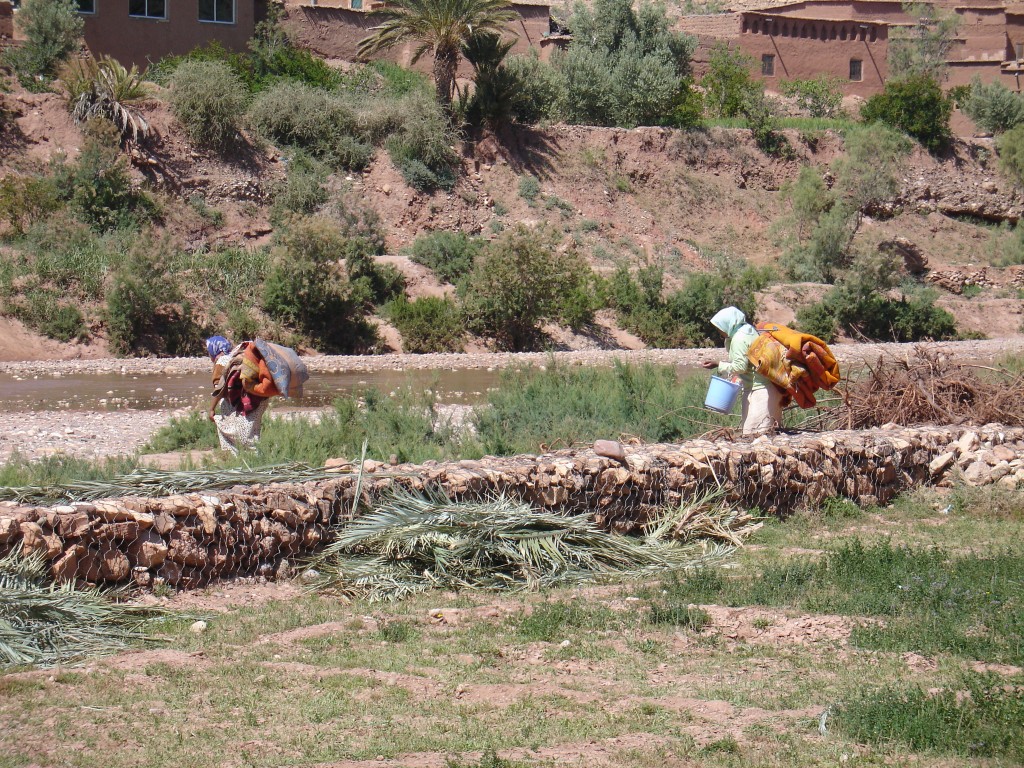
column 52, row 30
column 208, row 99
column 529, row 188
column 24, row 200
column 728, row 84
column 993, row 107
column 145, row 310
column 303, row 190
column 44, row 310
column 422, row 149
column 449, row 255
column 306, row 289
column 517, row 283
column 538, row 87
column 820, row 96
column 427, row 325
column 915, row 105
column 876, row 316
column 625, row 66
column 1011, row 153
column 371, row 282
column 98, row 185
column 683, row 318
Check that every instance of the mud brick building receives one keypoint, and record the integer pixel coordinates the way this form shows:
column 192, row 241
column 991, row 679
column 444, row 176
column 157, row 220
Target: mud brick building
column 143, row 31
column 850, row 39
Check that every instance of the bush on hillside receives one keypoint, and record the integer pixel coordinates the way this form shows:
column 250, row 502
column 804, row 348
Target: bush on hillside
column 861, row 306
column 422, row 148
column 306, row 289
column 208, row 99
column 824, row 221
column 538, row 88
column 1010, row 147
column 145, row 310
column 427, row 325
column 516, row 285
column 915, row 105
column 683, row 318
column 303, row 190
column 993, row 107
column 24, row 200
column 624, row 66
column 449, row 255
column 46, row 310
column 52, row 30
column 98, row 185
column 819, row 96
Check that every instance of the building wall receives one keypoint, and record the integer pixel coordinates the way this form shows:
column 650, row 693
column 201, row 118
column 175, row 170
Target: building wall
column 6, row 21
column 335, row 33
column 112, row 32
column 806, row 48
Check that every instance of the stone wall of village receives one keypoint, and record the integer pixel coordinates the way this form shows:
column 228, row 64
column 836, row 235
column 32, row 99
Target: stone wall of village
column 188, row 540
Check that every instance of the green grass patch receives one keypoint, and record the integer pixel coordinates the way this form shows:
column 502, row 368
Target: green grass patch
column 929, row 600
column 553, row 621
column 980, row 716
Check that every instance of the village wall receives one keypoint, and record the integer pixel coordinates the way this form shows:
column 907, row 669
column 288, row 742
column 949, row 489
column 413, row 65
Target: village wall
column 803, row 49
column 189, row 540
column 335, row 32
column 110, row 31
column 6, row 21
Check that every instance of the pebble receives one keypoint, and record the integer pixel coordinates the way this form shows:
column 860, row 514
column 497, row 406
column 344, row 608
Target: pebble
column 197, row 627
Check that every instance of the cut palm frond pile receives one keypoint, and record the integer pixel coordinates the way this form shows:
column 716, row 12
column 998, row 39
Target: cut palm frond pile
column 928, row 388
column 152, row 483
column 44, row 624
column 412, row 543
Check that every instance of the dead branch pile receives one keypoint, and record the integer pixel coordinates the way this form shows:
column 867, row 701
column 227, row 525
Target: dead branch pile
column 928, row 388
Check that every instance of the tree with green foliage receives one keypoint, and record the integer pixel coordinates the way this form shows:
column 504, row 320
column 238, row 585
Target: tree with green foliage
column 625, row 66
column 306, row 289
column 52, row 30
column 922, row 49
column 728, row 84
column 915, row 105
column 518, row 283
column 825, row 220
column 819, row 96
column 438, row 27
column 992, row 106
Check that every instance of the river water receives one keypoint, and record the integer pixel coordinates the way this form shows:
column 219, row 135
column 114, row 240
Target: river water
column 154, row 392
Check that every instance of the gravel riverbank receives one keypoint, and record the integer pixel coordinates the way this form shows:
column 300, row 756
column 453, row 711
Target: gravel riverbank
column 849, row 353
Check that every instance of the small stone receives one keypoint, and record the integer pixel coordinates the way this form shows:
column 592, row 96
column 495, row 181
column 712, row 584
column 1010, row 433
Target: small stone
column 941, row 463
column 564, row 644
column 197, row 627
column 968, row 442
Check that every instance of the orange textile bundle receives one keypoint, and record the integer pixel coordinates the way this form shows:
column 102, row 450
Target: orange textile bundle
column 256, row 378
column 797, row 363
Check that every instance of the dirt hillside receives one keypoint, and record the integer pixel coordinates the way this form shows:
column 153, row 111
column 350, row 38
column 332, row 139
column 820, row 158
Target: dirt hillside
column 682, row 198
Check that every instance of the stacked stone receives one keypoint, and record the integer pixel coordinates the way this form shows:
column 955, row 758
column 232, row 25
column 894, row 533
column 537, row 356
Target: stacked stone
column 188, row 540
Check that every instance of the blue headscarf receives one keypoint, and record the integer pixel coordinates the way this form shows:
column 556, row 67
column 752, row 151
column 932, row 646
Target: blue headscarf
column 217, row 346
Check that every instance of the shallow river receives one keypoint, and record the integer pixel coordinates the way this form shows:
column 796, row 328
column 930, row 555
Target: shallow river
column 153, row 392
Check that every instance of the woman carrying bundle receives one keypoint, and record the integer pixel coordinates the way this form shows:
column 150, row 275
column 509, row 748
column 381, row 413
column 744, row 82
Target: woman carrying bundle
column 237, row 414
column 761, row 400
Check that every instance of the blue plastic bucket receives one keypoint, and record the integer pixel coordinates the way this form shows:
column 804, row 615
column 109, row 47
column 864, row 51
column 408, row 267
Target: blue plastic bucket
column 722, row 395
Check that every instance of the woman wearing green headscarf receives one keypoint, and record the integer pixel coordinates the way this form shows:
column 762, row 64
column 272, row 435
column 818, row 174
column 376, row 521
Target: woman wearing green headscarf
column 761, row 400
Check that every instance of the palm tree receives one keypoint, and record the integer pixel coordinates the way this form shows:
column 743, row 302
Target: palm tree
column 439, row 27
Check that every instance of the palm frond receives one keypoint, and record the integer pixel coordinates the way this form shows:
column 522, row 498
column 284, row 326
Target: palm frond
column 42, row 623
column 105, row 88
column 417, row 541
